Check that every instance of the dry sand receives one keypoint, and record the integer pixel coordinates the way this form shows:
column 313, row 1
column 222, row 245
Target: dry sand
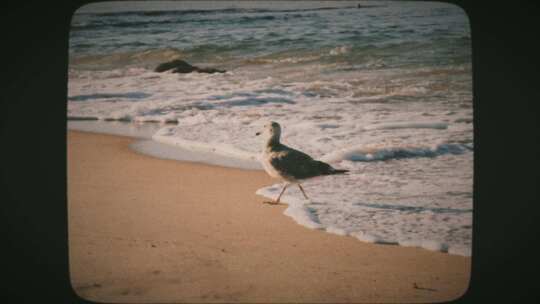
column 143, row 229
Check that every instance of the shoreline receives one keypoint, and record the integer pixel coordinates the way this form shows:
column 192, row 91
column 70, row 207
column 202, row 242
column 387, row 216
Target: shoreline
column 149, row 229
column 144, row 143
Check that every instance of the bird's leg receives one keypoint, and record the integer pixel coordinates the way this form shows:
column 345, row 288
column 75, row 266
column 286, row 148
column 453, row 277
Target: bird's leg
column 304, row 193
column 279, row 196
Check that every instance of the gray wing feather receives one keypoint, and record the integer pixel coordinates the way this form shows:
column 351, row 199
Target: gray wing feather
column 296, row 164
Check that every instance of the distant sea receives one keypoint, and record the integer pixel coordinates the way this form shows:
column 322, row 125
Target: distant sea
column 384, row 90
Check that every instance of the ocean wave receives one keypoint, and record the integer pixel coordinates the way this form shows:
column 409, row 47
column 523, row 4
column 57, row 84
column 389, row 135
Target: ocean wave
column 406, row 125
column 340, row 50
column 100, row 24
column 253, row 51
column 368, row 154
column 131, row 96
column 146, row 58
column 360, row 153
column 205, row 52
column 178, row 19
column 94, row 25
column 208, row 11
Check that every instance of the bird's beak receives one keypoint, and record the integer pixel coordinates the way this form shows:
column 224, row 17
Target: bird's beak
column 258, row 133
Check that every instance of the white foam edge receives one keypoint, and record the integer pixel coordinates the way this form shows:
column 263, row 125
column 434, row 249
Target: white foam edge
column 212, row 151
column 431, row 245
column 296, row 208
column 120, row 128
column 176, row 152
column 299, row 212
column 438, row 246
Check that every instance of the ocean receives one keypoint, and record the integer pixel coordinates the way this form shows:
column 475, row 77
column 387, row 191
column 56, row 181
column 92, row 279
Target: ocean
column 384, row 90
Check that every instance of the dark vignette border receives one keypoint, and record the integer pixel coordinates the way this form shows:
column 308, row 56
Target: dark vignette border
column 33, row 151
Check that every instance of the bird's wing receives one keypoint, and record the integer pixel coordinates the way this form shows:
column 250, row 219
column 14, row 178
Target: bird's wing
column 296, row 164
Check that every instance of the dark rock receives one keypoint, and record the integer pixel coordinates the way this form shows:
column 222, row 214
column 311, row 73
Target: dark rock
column 180, row 66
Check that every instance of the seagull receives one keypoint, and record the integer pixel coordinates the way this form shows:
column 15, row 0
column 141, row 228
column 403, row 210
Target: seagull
column 288, row 164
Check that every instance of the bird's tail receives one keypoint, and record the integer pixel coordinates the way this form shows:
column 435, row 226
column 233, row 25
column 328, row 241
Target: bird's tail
column 329, row 170
column 339, row 171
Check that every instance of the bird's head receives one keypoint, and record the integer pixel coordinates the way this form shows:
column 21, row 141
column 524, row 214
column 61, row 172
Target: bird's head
column 271, row 130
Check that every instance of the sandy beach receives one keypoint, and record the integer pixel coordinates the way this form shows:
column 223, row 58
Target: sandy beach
column 143, row 229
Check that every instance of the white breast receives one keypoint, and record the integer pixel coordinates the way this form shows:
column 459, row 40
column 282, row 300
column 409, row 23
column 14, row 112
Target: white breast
column 265, row 160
